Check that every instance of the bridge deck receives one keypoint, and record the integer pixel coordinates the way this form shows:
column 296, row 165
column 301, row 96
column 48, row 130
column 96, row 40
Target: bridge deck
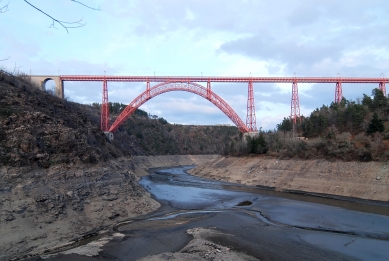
column 222, row 79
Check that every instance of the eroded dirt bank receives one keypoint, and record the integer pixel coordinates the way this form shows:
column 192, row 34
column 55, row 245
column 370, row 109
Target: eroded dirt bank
column 364, row 180
column 43, row 208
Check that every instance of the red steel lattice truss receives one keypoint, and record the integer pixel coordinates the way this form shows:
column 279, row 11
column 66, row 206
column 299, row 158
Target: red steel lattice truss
column 295, row 104
column 178, row 86
column 105, row 108
column 338, row 92
column 382, row 88
column 250, row 120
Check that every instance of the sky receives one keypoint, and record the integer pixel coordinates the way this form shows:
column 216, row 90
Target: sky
column 201, row 37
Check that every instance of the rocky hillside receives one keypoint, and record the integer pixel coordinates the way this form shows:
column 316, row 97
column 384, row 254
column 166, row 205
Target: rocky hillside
column 151, row 137
column 146, row 134
column 39, row 129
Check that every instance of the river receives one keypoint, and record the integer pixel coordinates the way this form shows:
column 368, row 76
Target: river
column 264, row 224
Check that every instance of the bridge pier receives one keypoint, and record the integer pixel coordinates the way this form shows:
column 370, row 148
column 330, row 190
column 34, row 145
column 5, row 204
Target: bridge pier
column 338, row 92
column 109, row 135
column 295, row 103
column 41, row 81
column 251, row 120
column 251, row 134
column 382, row 87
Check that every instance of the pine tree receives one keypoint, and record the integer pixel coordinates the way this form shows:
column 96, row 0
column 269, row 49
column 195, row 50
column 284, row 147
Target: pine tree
column 285, row 126
column 376, row 125
column 379, row 100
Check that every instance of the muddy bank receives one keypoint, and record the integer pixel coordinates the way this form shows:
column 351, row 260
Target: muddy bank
column 363, row 180
column 42, row 208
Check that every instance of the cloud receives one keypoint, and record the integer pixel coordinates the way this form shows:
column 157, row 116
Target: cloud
column 287, row 52
column 319, row 37
column 220, row 38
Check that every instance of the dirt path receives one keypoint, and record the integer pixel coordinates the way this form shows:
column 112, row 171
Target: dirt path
column 364, row 180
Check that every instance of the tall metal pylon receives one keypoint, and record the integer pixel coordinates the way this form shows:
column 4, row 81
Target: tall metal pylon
column 148, row 89
column 251, row 121
column 105, row 109
column 295, row 103
column 382, row 87
column 209, row 90
column 338, row 92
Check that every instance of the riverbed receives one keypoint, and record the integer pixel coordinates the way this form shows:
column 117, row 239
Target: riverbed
column 260, row 223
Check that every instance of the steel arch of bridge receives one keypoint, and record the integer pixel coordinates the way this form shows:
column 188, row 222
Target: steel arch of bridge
column 195, row 88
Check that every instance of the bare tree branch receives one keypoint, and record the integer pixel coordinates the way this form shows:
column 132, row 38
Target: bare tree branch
column 16, row 68
column 64, row 24
column 4, row 59
column 97, row 9
column 4, row 8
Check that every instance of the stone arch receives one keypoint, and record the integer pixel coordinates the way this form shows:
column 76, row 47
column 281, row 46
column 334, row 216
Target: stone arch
column 45, row 82
column 41, row 81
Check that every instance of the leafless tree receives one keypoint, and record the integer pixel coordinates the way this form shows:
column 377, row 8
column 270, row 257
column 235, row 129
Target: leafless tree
column 16, row 69
column 3, row 7
column 65, row 24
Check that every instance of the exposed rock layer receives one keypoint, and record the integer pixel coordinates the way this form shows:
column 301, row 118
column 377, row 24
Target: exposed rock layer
column 364, row 180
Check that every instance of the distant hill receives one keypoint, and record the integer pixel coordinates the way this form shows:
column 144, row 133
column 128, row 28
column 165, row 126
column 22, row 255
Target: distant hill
column 153, row 135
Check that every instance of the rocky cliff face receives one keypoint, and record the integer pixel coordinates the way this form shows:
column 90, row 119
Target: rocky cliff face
column 38, row 129
column 41, row 207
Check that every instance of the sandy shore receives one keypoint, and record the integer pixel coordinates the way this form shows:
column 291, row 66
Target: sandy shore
column 363, row 180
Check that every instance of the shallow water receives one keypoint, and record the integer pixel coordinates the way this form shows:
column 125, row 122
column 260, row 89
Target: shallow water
column 332, row 220
column 177, row 178
column 276, row 226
